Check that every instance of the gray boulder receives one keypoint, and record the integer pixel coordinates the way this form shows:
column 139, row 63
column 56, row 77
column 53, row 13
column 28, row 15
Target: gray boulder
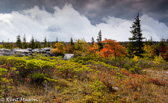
column 68, row 56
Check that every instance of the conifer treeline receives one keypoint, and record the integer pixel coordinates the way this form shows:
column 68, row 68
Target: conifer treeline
column 23, row 44
column 136, row 46
column 34, row 43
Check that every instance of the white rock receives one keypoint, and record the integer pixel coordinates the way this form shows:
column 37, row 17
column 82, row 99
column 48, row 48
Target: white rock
column 68, row 56
column 116, row 88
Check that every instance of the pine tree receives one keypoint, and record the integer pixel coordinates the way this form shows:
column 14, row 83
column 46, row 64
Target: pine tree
column 136, row 45
column 32, row 43
column 45, row 42
column 99, row 39
column 37, row 44
column 70, row 47
column 72, row 43
column 24, row 44
column 92, row 41
column 18, row 42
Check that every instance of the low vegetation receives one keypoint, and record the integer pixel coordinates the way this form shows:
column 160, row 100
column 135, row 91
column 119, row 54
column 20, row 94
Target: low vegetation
column 83, row 79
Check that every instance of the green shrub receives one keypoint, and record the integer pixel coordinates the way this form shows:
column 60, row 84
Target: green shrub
column 38, row 78
column 159, row 59
column 135, row 69
column 33, row 64
column 3, row 60
column 3, row 71
column 132, row 70
column 5, row 83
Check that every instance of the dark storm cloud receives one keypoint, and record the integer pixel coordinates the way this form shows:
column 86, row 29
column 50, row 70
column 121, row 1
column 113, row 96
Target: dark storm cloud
column 95, row 10
column 16, row 5
column 72, row 18
column 128, row 9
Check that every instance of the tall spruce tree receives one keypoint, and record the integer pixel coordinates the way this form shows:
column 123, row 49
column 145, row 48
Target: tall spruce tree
column 24, row 44
column 92, row 41
column 136, row 41
column 45, row 42
column 71, row 46
column 99, row 39
column 72, row 43
column 37, row 44
column 32, row 43
column 18, row 42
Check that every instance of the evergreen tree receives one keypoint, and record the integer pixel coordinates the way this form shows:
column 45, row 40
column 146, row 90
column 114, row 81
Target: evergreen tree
column 45, row 42
column 37, row 44
column 24, row 44
column 32, row 43
column 72, row 43
column 136, row 45
column 18, row 42
column 99, row 39
column 70, row 47
column 92, row 41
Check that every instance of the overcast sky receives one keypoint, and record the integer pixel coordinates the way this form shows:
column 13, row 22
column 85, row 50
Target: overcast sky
column 81, row 19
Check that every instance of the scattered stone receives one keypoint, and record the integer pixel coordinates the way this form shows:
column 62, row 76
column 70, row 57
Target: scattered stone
column 115, row 88
column 28, row 52
column 68, row 56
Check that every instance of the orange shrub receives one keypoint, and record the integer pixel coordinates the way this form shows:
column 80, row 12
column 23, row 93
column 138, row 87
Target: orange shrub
column 59, row 48
column 113, row 48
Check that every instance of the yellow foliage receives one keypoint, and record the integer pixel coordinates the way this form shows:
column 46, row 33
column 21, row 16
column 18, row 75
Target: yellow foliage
column 149, row 51
column 81, row 47
column 94, row 49
column 159, row 59
column 136, row 58
column 1, row 46
column 59, row 48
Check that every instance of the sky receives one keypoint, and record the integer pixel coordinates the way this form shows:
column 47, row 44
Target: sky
column 79, row 19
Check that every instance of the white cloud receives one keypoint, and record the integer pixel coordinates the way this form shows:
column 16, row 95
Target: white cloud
column 66, row 22
column 153, row 28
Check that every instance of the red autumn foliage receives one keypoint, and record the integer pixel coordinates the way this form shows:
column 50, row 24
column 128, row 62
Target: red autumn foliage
column 112, row 48
column 124, row 72
column 156, row 81
column 94, row 48
column 27, row 80
column 162, row 50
